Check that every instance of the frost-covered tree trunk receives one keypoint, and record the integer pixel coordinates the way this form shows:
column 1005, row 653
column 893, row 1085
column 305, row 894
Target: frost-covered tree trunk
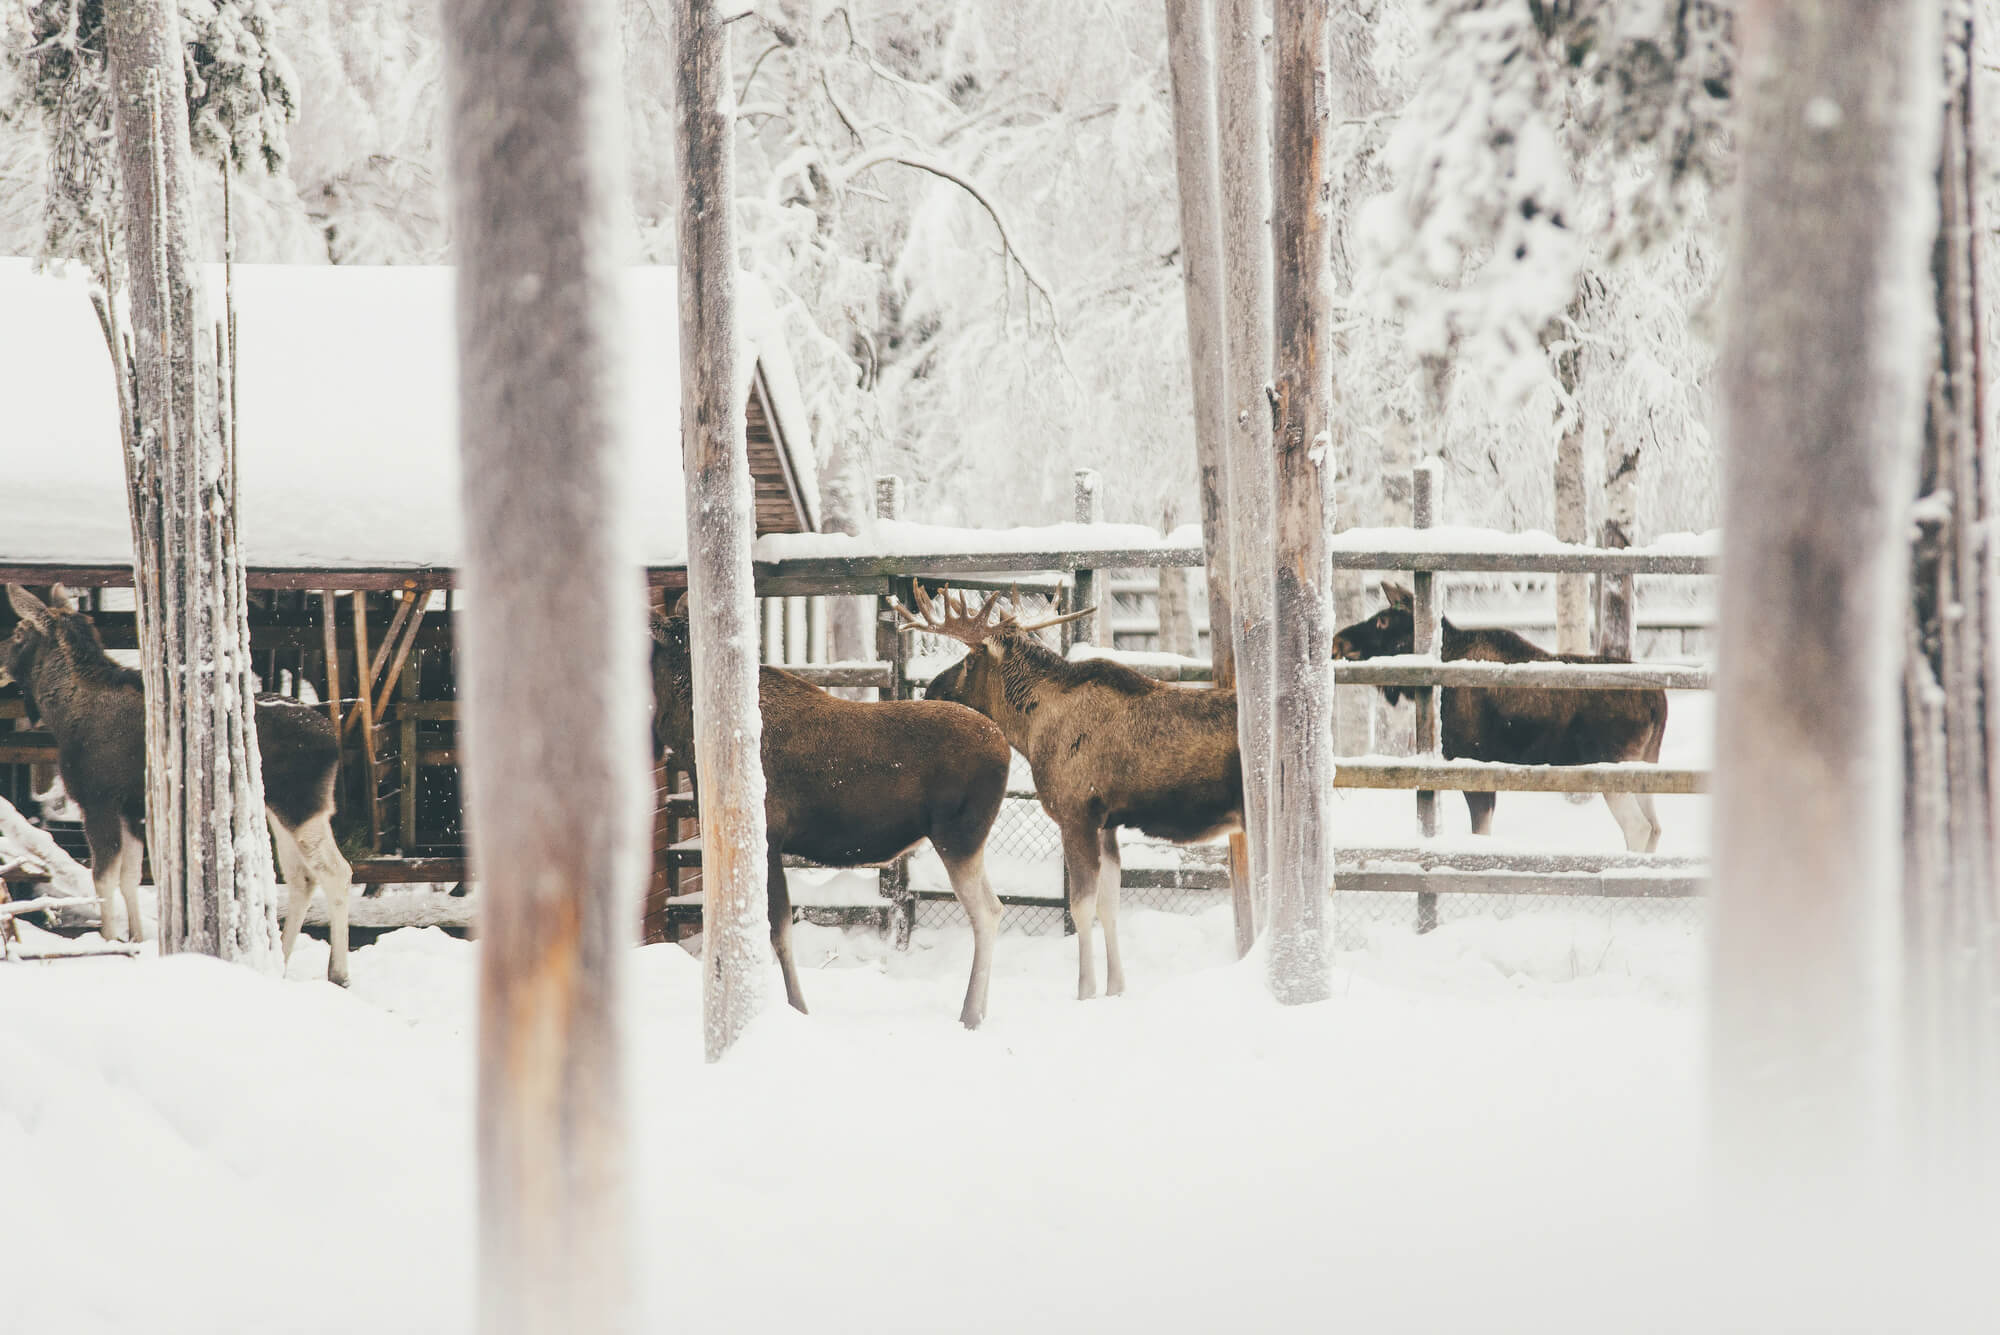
column 558, row 785
column 722, row 601
column 1302, row 425
column 210, row 855
column 1821, row 388
column 1572, row 502
column 1242, row 149
column 1617, row 601
column 1190, row 58
column 1953, row 949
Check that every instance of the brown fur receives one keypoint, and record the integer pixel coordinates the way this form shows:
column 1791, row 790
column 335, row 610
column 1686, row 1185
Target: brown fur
column 856, row 783
column 1522, row 725
column 95, row 707
column 1109, row 748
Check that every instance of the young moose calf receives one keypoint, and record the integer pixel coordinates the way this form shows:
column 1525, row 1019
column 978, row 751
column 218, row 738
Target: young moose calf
column 855, row 783
column 1108, row 746
column 1523, row 725
column 97, row 712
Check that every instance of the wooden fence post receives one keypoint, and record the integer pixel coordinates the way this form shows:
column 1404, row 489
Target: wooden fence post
column 1429, row 614
column 1089, row 587
column 1302, row 429
column 893, row 648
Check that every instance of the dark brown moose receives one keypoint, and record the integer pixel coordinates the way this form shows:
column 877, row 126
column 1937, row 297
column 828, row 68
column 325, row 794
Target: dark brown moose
column 1523, row 725
column 1108, row 747
column 855, row 783
column 96, row 710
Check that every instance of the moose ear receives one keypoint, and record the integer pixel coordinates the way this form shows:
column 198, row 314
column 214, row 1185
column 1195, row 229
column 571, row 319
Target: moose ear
column 60, row 597
column 679, row 608
column 27, row 604
column 1399, row 595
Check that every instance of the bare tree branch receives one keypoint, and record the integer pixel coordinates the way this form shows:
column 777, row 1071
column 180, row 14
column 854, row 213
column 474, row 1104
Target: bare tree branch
column 918, row 162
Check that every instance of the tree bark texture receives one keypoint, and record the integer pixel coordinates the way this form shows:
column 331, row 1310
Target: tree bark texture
column 1176, row 599
column 210, row 854
column 559, row 791
column 1822, row 393
column 1953, row 921
column 1302, row 410
column 720, row 525
column 1617, row 600
column 1573, row 631
column 1191, row 64
column 1242, row 126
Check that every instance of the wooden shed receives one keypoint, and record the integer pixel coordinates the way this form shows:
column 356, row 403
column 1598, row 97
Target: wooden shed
column 347, row 431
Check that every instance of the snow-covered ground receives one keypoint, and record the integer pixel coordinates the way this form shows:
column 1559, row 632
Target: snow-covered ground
column 1493, row 1127
column 1453, row 1142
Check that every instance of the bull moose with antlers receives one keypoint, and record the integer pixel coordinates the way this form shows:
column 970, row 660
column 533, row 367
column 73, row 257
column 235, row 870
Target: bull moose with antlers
column 1109, row 748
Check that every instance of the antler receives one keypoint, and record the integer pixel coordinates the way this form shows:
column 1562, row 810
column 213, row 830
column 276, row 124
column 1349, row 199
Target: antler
column 949, row 616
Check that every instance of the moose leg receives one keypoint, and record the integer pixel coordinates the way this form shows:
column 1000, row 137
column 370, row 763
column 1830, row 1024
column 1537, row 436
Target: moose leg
column 1480, row 807
column 298, row 886
column 326, row 869
column 1109, row 875
column 105, row 832
column 1080, row 856
column 779, row 901
column 982, row 910
column 131, row 862
column 1635, row 816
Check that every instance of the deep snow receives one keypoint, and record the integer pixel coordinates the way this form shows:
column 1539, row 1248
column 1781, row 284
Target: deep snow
column 1448, row 1144
column 1494, row 1127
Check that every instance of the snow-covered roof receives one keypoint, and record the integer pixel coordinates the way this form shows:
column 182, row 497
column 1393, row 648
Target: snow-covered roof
column 347, row 429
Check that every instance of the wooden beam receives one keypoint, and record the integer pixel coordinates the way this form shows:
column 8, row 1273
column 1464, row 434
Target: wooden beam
column 1473, row 776
column 1526, row 676
column 363, row 707
column 332, row 649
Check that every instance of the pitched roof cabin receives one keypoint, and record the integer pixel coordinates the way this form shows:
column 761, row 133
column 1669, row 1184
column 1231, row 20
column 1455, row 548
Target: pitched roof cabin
column 348, row 477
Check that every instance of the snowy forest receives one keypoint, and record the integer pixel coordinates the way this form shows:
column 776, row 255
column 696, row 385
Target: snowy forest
column 605, row 514
column 970, row 213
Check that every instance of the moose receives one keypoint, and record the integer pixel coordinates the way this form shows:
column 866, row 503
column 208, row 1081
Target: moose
column 1109, row 748
column 854, row 783
column 95, row 707
column 1523, row 725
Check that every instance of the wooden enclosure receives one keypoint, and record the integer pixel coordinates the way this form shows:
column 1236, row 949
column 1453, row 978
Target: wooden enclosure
column 405, row 817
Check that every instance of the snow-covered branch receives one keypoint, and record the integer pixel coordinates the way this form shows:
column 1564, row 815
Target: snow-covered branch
column 873, row 158
column 69, row 878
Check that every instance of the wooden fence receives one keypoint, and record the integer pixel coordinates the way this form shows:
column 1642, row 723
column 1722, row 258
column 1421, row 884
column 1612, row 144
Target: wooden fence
column 797, row 627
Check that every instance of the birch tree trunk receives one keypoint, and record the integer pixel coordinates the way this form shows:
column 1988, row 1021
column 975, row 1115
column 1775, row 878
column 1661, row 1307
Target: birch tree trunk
column 722, row 602
column 210, row 855
column 1822, row 393
column 1190, row 58
column 1243, row 152
column 1953, row 950
column 1302, row 408
column 557, row 779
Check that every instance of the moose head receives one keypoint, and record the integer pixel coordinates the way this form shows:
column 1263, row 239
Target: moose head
column 988, row 678
column 42, row 625
column 1393, row 630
